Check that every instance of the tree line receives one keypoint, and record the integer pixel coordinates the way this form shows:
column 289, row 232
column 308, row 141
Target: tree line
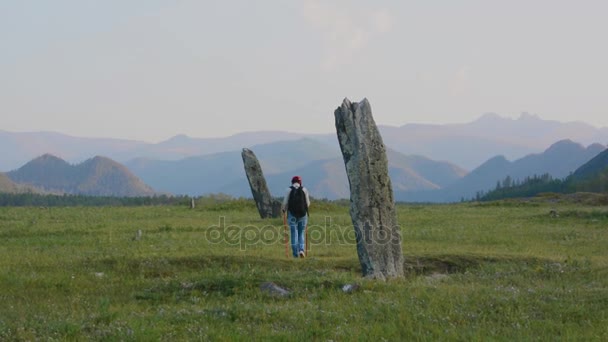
column 47, row 200
column 536, row 184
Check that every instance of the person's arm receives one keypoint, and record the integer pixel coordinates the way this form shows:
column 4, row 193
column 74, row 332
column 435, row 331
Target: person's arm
column 307, row 198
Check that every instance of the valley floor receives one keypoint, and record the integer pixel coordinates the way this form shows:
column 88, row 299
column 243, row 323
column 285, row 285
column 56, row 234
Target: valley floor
column 501, row 271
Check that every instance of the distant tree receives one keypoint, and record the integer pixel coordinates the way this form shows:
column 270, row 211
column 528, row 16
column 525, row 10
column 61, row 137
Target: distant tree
column 531, row 186
column 506, row 183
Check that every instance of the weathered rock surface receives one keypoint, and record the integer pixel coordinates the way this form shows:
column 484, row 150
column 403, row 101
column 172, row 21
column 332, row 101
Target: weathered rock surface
column 372, row 207
column 267, row 206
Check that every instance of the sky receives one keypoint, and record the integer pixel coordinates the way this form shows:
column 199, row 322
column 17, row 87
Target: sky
column 151, row 69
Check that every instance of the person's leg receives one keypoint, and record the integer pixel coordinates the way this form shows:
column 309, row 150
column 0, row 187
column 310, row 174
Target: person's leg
column 302, row 222
column 293, row 230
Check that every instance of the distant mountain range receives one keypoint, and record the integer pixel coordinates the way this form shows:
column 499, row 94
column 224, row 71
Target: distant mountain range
column 320, row 164
column 19, row 148
column 215, row 172
column 97, row 176
column 327, row 178
column 470, row 144
column 591, row 177
column 184, row 165
column 466, row 145
column 414, row 178
column 559, row 160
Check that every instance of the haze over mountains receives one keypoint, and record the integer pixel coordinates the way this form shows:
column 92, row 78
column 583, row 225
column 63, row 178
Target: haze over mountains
column 215, row 165
column 466, row 145
column 326, row 177
column 414, row 178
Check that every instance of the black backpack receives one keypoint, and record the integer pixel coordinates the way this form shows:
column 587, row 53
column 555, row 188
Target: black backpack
column 297, row 205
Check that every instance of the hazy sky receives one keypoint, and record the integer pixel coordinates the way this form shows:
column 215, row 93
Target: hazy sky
column 151, row 69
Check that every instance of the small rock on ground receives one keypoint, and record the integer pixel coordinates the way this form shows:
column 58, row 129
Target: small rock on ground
column 274, row 289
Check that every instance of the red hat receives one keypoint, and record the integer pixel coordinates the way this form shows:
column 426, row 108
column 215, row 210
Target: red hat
column 296, row 179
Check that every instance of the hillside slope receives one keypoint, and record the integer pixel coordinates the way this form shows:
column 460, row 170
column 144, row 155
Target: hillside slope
column 7, row 185
column 593, row 167
column 47, row 172
column 591, row 177
column 559, row 160
column 97, row 176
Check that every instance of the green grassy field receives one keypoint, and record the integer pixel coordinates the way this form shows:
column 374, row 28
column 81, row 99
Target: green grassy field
column 475, row 272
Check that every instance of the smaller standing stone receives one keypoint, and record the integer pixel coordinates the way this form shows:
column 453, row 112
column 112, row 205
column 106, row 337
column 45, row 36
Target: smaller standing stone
column 267, row 206
column 192, row 204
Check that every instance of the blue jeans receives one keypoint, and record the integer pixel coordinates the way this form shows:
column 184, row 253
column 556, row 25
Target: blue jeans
column 297, row 227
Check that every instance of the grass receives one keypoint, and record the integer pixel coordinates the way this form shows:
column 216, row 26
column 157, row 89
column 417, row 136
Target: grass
column 498, row 271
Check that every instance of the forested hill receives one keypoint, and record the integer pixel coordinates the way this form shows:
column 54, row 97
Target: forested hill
column 593, row 176
column 590, row 177
column 97, row 176
column 594, row 167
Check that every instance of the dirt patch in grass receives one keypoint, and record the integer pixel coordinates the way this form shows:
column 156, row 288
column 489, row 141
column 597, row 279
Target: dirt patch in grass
column 444, row 264
column 457, row 263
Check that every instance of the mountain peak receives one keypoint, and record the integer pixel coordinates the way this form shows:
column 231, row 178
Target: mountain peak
column 525, row 116
column 563, row 143
column 489, row 117
column 101, row 163
column 49, row 157
column 47, row 161
column 177, row 140
column 101, row 159
column 564, row 147
column 497, row 160
column 597, row 147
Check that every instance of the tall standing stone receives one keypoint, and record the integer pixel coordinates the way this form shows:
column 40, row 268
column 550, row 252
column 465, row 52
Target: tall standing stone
column 267, row 206
column 372, row 207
